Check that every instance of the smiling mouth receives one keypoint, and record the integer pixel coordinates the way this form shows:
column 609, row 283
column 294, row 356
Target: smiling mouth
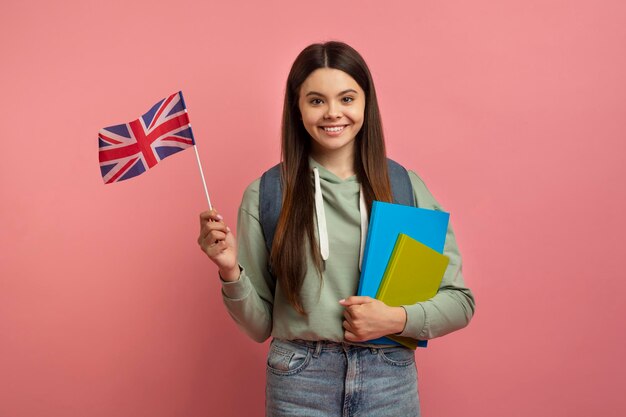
column 333, row 129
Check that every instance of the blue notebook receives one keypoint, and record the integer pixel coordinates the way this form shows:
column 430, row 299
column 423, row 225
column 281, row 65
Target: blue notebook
column 386, row 222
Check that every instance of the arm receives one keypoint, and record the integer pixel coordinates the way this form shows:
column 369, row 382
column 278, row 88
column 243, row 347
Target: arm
column 453, row 306
column 248, row 294
column 366, row 318
column 451, row 309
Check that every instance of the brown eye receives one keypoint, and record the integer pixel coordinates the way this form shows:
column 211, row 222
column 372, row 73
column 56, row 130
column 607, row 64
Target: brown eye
column 316, row 101
column 348, row 99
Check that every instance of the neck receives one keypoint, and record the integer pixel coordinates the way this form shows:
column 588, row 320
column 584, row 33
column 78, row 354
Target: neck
column 340, row 161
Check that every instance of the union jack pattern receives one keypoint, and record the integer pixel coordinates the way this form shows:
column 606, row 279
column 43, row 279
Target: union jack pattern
column 130, row 149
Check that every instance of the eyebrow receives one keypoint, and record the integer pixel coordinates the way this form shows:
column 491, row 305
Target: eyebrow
column 312, row 93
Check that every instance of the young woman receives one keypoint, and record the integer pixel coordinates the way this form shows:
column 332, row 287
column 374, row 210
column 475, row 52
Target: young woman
column 333, row 168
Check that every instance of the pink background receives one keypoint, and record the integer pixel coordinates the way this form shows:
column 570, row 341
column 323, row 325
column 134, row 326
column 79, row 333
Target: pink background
column 512, row 111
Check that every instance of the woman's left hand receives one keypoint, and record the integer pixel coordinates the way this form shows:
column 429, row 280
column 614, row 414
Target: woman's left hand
column 367, row 318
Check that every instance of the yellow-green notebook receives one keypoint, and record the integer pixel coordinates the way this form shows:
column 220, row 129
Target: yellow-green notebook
column 413, row 274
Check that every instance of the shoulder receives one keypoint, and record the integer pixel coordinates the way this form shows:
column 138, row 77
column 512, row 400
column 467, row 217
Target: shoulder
column 423, row 195
column 250, row 199
column 416, row 181
column 268, row 181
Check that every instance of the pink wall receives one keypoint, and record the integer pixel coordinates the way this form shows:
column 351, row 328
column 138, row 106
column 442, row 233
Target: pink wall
column 512, row 111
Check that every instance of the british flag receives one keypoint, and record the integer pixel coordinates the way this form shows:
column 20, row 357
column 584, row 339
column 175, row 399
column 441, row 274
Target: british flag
column 130, row 149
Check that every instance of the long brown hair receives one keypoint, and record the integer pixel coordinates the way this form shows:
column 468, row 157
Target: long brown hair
column 296, row 228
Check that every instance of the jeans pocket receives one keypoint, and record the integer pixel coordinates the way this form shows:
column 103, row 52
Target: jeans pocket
column 397, row 356
column 285, row 358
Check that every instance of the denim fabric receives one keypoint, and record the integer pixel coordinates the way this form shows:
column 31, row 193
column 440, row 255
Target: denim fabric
column 318, row 379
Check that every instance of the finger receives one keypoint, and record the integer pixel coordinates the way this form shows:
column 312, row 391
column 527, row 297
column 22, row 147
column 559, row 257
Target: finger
column 349, row 319
column 347, row 326
column 213, row 226
column 221, row 226
column 356, row 299
column 350, row 336
column 210, row 215
column 211, row 241
column 214, row 250
column 214, row 236
column 347, row 314
column 355, row 312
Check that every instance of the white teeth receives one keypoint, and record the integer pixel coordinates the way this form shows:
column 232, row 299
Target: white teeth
column 334, row 129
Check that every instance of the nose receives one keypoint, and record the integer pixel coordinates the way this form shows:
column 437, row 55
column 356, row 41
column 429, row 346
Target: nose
column 333, row 111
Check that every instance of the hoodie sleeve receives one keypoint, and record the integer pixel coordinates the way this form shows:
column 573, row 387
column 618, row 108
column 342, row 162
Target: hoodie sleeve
column 250, row 299
column 453, row 306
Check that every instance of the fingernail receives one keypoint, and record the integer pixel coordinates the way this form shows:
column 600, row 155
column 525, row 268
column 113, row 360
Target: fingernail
column 228, row 229
column 342, row 300
column 219, row 217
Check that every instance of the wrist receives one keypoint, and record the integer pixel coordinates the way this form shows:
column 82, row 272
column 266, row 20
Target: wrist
column 230, row 275
column 400, row 318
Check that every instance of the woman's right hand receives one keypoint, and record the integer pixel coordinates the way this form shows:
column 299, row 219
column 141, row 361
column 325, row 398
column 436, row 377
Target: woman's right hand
column 218, row 242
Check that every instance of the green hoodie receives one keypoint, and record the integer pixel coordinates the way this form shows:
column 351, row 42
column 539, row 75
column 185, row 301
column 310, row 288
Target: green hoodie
column 261, row 309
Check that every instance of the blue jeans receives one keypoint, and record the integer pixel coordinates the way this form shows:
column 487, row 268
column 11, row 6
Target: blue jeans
column 316, row 379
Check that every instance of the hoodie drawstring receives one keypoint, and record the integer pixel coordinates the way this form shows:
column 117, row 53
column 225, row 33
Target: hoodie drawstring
column 364, row 224
column 322, row 230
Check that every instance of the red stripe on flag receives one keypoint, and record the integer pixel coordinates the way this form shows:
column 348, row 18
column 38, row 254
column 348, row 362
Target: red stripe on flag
column 107, row 155
column 168, row 126
column 143, row 142
column 108, row 139
column 156, row 116
column 175, row 139
column 121, row 171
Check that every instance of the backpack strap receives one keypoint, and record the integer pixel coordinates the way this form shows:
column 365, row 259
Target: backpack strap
column 271, row 196
column 400, row 184
column 270, row 203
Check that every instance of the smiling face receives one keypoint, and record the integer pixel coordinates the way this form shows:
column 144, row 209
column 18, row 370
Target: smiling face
column 332, row 105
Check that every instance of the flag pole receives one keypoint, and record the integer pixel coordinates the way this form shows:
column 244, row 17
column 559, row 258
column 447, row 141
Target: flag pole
column 206, row 192
column 195, row 148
